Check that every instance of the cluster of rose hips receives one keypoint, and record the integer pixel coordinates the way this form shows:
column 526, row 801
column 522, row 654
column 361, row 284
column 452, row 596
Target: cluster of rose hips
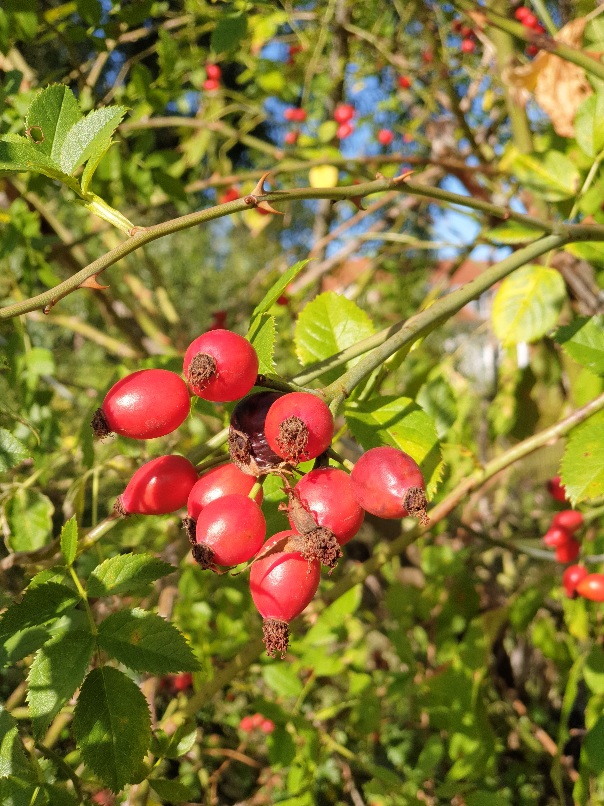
column 530, row 21
column 214, row 76
column 270, row 433
column 468, row 36
column 254, row 722
column 576, row 579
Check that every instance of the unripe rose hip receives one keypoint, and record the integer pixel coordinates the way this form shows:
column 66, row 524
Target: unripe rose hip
column 158, row 487
column 220, row 366
column 145, row 404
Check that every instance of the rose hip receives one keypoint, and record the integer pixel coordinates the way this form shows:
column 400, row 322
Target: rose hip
column 220, row 366
column 158, row 487
column 299, row 426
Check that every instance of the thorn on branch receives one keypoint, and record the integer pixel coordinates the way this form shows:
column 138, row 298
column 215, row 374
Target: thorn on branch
column 260, row 190
column 402, row 177
column 92, row 282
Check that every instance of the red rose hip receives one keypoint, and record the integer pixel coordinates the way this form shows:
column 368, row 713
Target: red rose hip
column 299, row 426
column 282, row 585
column 569, row 519
column 158, row 487
column 327, row 494
column 145, row 404
column 571, row 578
column 388, row 483
column 220, row 366
column 229, row 531
column 592, row 587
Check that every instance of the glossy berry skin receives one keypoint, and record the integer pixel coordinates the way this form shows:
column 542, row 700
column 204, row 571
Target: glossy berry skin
column 283, row 584
column 468, row 46
column 218, row 483
column 236, row 366
column 159, row 486
column 327, row 494
column 315, row 417
column 229, row 195
column 381, row 480
column 343, row 113
column 404, row 82
column 592, row 587
column 556, row 536
column 294, row 113
column 569, row 551
column 556, row 489
column 211, row 84
column 571, row 578
column 569, row 519
column 145, row 404
column 385, row 137
column 233, row 527
column 291, row 138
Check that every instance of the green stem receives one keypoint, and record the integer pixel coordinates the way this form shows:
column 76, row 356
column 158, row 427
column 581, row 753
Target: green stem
column 84, row 597
column 424, row 322
column 49, row 298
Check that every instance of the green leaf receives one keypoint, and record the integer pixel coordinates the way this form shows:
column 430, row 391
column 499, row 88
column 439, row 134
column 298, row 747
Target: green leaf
column 19, row 154
column 146, row 642
column 88, row 138
column 52, row 113
column 282, row 679
column 56, row 672
column 583, row 340
column 112, row 726
column 582, row 467
column 527, row 304
column 512, row 233
column 69, row 540
column 589, row 124
column 262, row 336
column 551, row 175
column 277, row 289
column 400, row 422
column 102, row 147
column 228, row 33
column 126, row 573
column 12, row 756
column 27, row 641
column 591, row 751
column 328, row 324
column 593, row 671
column 12, row 451
column 29, row 516
column 39, row 605
column 18, row 791
column 171, row 790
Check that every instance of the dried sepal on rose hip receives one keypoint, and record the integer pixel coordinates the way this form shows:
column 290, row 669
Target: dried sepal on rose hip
column 146, row 404
column 299, row 426
column 220, row 366
column 248, row 446
column 158, row 487
column 282, row 584
column 229, row 531
column 322, row 507
column 216, row 483
column 388, row 483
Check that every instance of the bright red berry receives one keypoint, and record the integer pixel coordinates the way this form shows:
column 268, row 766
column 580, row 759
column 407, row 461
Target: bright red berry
column 571, row 578
column 556, row 536
column 466, row 32
column 529, row 20
column 556, row 489
column 521, row 13
column 569, row 551
column 213, row 71
column 344, row 131
column 282, row 585
column 146, row 404
column 220, row 366
column 217, row 483
column 181, row 682
column 291, row 138
column 229, row 531
column 299, row 426
column 468, row 46
column 343, row 113
column 592, row 587
column 569, row 519
column 211, row 84
column 229, row 195
column 257, row 720
column 294, row 113
column 532, row 50
column 385, row 137
column 158, row 487
column 404, row 82
column 388, row 483
column 246, row 724
column 267, row 726
column 328, row 495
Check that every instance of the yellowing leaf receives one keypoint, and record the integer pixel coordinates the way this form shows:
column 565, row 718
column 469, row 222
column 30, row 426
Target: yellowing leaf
column 323, row 176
